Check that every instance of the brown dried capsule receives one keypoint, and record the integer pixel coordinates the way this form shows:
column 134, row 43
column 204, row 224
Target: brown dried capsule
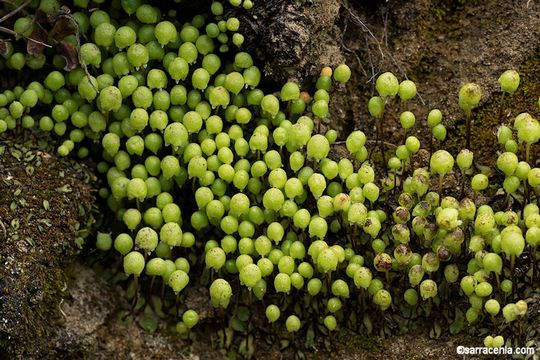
column 401, row 215
column 443, row 253
column 406, row 200
column 382, row 262
column 403, row 254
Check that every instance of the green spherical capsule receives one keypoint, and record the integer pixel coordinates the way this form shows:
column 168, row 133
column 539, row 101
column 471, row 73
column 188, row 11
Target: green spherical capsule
column 110, row 99
column 318, row 147
column 507, row 162
column 407, row 119
column 412, row 144
column 470, row 95
column 509, row 81
column 428, row 289
column 293, row 323
column 178, row 280
column 504, row 134
column 512, row 241
column 314, row 286
column 23, row 27
column 448, row 218
column 136, row 189
column 200, row 78
column 371, row 192
column 407, row 90
column 132, row 218
column 103, row 241
column 362, row 278
column 327, row 260
column 170, row 166
column 533, row 177
column 498, row 342
column 290, row 91
column 318, row 227
column 270, row 104
column 441, row 162
column 468, row 284
column 252, row 77
column 340, row 288
column 54, row 81
column 376, row 106
column 464, row 159
column 492, row 262
column 156, row 267
column 176, row 134
column 451, row 273
column 272, row 313
column 416, row 273
column 342, row 73
column 411, row 296
column 510, row 312
column 134, row 263
column 506, row 286
column 146, row 239
column 320, row 108
column 171, row 233
column 243, row 60
column 483, row 289
column 387, row 85
column 472, row 315
column 28, row 98
column 528, row 128
column 492, row 307
column 479, row 182
column 215, row 258
column 123, row 243
column 165, row 32
column 124, row 37
column 219, row 96
column 533, row 236
column 383, row 299
column 273, row 199
column 250, row 275
column 111, row 143
column 434, row 118
column 156, row 79
column 234, row 82
column 190, row 318
column 282, row 283
column 220, row 293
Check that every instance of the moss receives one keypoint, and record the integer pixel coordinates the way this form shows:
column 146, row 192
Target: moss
column 41, row 220
column 423, row 69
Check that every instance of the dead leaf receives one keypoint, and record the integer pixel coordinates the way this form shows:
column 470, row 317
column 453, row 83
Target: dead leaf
column 41, row 17
column 69, row 52
column 34, row 48
column 62, row 28
column 5, row 48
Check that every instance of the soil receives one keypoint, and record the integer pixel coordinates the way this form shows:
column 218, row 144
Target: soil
column 45, row 214
column 53, row 303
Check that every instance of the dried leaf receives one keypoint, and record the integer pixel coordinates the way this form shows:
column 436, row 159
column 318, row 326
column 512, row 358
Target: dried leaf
column 34, row 48
column 41, row 17
column 5, row 48
column 69, row 52
column 62, row 28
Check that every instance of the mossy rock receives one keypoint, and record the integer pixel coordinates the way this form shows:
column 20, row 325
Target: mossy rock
column 46, row 204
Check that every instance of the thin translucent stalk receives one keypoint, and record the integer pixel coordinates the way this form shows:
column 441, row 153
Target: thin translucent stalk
column 468, row 128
